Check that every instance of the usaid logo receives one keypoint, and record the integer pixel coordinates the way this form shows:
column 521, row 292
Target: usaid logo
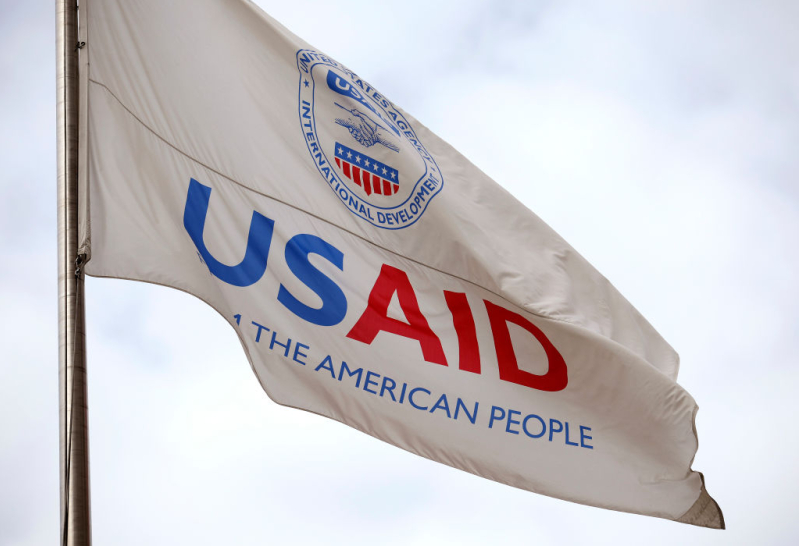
column 363, row 146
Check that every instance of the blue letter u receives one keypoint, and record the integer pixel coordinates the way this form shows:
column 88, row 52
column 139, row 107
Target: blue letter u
column 253, row 265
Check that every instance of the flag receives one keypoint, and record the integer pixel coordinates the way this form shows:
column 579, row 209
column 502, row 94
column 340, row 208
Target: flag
column 372, row 274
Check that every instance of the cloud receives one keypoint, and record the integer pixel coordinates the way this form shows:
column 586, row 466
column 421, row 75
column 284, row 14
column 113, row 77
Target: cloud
column 659, row 139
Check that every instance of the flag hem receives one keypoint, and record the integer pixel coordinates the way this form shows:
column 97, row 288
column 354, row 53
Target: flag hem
column 705, row 512
column 84, row 197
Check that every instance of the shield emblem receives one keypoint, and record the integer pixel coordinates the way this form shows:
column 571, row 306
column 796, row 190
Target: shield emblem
column 371, row 175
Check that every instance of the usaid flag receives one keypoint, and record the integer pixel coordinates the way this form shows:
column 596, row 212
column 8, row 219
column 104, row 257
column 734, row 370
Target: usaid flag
column 373, row 275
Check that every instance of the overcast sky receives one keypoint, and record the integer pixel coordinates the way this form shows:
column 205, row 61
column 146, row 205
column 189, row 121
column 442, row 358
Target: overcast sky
column 659, row 138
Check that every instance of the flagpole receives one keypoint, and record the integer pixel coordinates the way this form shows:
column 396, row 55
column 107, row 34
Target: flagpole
column 73, row 410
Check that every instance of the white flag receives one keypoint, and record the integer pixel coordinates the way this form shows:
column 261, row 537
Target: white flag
column 372, row 274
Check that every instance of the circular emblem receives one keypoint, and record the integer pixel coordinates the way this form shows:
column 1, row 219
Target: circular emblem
column 363, row 147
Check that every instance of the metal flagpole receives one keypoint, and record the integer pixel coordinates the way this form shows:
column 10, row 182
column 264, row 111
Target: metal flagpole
column 73, row 410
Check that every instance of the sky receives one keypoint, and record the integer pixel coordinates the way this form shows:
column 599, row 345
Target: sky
column 658, row 138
